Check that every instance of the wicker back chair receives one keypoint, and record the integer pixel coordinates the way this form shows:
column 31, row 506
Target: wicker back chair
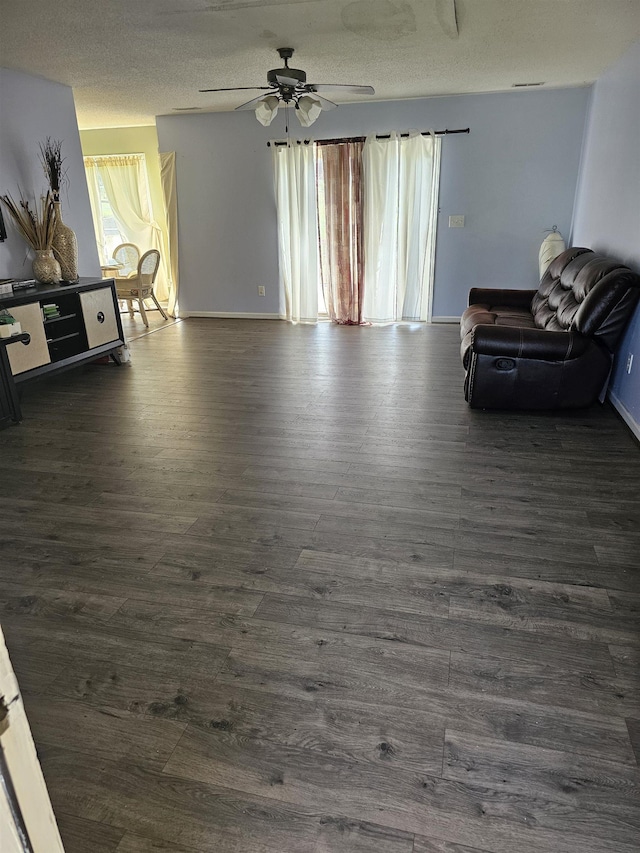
column 127, row 254
column 140, row 286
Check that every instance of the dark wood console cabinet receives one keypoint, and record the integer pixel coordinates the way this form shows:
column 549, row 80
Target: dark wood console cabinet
column 87, row 325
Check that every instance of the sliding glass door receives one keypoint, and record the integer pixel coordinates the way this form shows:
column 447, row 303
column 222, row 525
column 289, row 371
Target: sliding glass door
column 357, row 223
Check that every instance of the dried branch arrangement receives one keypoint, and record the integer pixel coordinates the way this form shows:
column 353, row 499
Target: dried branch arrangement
column 36, row 225
column 52, row 163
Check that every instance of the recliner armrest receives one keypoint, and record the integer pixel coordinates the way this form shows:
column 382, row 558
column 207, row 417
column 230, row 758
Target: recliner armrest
column 494, row 296
column 521, row 342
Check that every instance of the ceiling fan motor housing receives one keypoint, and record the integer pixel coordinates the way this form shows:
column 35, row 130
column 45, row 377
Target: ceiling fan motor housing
column 293, row 73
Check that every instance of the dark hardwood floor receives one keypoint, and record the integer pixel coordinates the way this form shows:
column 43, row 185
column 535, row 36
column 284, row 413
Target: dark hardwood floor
column 275, row 589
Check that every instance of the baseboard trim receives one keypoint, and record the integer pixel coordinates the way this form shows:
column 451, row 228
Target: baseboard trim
column 229, row 315
column 625, row 414
column 240, row 315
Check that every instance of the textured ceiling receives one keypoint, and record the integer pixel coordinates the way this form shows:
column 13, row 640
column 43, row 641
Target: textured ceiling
column 130, row 60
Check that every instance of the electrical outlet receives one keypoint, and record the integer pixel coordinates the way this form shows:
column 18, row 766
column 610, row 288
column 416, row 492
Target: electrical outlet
column 629, row 362
column 456, row 221
column 261, row 291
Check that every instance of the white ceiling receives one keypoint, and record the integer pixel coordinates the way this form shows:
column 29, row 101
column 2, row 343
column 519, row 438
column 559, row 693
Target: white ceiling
column 130, row 60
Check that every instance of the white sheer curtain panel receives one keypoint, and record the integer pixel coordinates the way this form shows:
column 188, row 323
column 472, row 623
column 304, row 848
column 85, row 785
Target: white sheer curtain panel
column 419, row 182
column 401, row 177
column 170, row 194
column 295, row 185
column 381, row 166
column 125, row 182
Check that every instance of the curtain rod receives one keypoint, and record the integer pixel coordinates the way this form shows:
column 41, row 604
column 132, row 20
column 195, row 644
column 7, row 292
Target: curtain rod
column 378, row 136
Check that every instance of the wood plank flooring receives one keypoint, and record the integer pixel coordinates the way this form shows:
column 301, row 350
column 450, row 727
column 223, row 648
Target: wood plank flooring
column 275, row 589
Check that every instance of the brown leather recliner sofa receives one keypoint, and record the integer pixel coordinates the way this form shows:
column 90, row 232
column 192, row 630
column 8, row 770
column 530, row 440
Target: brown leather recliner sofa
column 550, row 348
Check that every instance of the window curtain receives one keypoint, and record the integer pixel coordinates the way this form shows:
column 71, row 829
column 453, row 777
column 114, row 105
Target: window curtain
column 401, row 177
column 297, row 223
column 169, row 191
column 124, row 178
column 93, row 186
column 340, row 237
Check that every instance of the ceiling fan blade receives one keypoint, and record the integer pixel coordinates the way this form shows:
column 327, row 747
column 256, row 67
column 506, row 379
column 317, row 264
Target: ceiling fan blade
column 253, row 103
column 236, row 89
column 286, row 81
column 346, row 87
column 325, row 104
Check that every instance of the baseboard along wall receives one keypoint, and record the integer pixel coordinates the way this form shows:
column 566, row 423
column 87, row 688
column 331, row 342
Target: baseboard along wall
column 230, row 315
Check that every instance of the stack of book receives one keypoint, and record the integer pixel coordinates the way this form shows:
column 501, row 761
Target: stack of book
column 50, row 311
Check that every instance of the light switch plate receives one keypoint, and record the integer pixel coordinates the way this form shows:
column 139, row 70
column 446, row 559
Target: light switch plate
column 456, row 221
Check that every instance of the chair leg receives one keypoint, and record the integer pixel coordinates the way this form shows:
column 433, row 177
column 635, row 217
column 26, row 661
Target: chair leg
column 143, row 312
column 158, row 306
column 130, row 307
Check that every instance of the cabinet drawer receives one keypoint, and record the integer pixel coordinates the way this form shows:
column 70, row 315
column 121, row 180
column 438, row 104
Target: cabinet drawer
column 35, row 353
column 99, row 313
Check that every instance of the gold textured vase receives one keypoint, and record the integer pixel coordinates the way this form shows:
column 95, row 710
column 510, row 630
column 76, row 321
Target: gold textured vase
column 65, row 247
column 46, row 269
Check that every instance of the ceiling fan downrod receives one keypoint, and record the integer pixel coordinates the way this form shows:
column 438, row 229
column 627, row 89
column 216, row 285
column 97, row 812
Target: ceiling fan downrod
column 285, row 54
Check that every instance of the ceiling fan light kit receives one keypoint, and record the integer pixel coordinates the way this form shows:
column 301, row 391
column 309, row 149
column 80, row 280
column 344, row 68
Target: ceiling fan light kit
column 289, row 86
column 266, row 109
column 308, row 109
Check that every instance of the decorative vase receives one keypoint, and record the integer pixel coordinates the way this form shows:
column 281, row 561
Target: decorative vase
column 65, row 247
column 46, row 269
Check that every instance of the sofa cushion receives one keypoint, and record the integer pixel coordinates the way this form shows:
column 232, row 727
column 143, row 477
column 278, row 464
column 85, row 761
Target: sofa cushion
column 498, row 315
column 550, row 282
column 558, row 264
column 553, row 306
column 573, row 268
column 591, row 274
column 577, row 279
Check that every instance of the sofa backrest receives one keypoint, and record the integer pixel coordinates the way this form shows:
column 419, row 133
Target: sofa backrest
column 588, row 293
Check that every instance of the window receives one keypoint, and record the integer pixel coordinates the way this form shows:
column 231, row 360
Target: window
column 120, row 202
column 112, row 234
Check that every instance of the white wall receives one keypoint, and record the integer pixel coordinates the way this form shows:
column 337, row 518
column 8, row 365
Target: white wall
column 31, row 109
column 607, row 214
column 512, row 177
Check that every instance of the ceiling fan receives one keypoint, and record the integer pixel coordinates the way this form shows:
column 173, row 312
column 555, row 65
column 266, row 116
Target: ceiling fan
column 289, row 86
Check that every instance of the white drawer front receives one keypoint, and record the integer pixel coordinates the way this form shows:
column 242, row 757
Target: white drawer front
column 35, row 353
column 99, row 315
